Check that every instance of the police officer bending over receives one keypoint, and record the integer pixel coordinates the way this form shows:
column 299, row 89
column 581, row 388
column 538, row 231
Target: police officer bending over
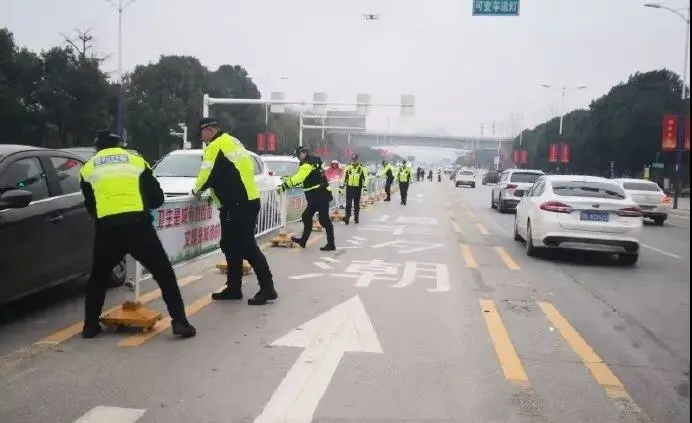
column 119, row 191
column 317, row 193
column 228, row 172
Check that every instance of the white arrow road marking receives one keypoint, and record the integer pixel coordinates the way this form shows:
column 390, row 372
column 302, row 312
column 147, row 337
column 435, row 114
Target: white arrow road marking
column 305, row 276
column 324, row 266
column 352, row 242
column 330, row 259
column 359, row 238
column 103, row 414
column 325, row 339
column 382, row 218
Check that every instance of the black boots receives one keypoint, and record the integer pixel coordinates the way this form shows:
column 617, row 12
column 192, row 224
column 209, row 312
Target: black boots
column 299, row 241
column 180, row 327
column 264, row 296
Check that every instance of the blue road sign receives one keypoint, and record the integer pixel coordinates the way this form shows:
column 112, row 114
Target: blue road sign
column 495, row 7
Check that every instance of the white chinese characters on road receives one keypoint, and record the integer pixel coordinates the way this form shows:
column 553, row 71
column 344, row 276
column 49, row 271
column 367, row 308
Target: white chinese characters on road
column 399, row 230
column 408, row 220
column 365, row 272
column 407, row 247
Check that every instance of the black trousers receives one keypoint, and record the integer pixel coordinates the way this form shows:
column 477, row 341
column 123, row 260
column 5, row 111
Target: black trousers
column 143, row 244
column 403, row 190
column 353, row 199
column 388, row 189
column 318, row 203
column 238, row 243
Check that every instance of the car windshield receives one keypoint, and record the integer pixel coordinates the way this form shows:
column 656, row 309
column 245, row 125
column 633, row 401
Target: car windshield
column 588, row 189
column 525, row 177
column 283, row 168
column 178, row 165
column 641, row 186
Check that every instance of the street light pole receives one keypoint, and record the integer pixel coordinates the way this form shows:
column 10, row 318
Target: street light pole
column 563, row 93
column 681, row 119
column 121, row 93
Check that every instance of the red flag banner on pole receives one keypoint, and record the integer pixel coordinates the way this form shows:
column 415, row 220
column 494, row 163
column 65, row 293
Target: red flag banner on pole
column 271, row 141
column 516, row 156
column 261, row 141
column 524, row 157
column 687, row 133
column 669, row 140
column 552, row 153
column 564, row 153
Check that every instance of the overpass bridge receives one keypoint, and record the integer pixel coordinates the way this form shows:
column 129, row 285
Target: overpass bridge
column 381, row 139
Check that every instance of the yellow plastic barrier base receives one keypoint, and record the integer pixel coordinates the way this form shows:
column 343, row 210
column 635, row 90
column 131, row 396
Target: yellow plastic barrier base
column 336, row 216
column 223, row 267
column 132, row 314
column 317, row 227
column 282, row 240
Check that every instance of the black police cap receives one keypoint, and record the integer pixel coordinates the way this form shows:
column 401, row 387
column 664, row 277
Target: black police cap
column 300, row 150
column 207, row 122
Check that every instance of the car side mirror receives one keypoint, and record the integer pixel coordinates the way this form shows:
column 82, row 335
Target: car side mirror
column 15, row 199
column 271, row 173
column 519, row 193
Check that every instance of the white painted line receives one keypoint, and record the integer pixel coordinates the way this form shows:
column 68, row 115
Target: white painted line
column 323, row 266
column 330, row 259
column 658, row 250
column 346, row 248
column 305, row 276
column 352, row 242
column 359, row 238
column 325, row 339
column 102, row 414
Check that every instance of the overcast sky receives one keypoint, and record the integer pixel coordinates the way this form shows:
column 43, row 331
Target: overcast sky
column 463, row 70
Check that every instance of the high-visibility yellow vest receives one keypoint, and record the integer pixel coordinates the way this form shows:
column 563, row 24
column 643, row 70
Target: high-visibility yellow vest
column 234, row 151
column 113, row 174
column 404, row 174
column 355, row 176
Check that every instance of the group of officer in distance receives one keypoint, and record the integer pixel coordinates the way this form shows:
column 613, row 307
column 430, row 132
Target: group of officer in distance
column 120, row 191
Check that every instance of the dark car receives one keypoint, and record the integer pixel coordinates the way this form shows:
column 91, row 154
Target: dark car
column 46, row 234
column 491, row 177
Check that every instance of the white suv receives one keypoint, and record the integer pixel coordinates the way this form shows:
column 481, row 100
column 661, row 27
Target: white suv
column 655, row 204
column 177, row 171
column 502, row 195
column 465, row 177
column 280, row 166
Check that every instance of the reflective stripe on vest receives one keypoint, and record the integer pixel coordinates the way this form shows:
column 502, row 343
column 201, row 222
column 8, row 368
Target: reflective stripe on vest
column 234, row 151
column 113, row 174
column 355, row 176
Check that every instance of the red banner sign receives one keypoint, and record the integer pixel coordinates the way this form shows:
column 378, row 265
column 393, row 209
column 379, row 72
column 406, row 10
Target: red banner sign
column 669, row 140
column 261, row 141
column 524, row 157
column 552, row 153
column 564, row 153
column 516, row 157
column 271, row 141
column 687, row 133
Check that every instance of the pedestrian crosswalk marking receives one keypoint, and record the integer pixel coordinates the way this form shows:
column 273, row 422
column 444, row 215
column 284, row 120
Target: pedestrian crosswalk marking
column 330, row 259
column 102, row 414
column 324, row 266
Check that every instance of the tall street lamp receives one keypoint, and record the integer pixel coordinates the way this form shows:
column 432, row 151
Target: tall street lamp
column 679, row 152
column 563, row 93
column 687, row 38
column 120, row 6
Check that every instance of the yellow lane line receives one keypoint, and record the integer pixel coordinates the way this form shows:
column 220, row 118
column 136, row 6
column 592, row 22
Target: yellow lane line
column 468, row 257
column 163, row 324
column 471, row 214
column 456, row 227
column 451, row 215
column 511, row 365
column 507, row 259
column 599, row 369
column 73, row 330
column 482, row 229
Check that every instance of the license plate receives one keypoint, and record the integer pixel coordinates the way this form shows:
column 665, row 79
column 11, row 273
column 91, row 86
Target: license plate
column 647, row 207
column 594, row 216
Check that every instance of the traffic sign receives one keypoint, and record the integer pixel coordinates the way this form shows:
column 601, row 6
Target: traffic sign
column 495, row 7
column 363, row 103
column 277, row 108
column 657, row 165
column 319, row 108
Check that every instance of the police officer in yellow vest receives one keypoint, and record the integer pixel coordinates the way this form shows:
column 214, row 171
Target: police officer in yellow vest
column 120, row 191
column 317, row 193
column 404, row 176
column 356, row 183
column 228, row 172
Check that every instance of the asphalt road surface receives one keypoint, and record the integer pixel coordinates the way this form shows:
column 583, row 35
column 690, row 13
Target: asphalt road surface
column 428, row 312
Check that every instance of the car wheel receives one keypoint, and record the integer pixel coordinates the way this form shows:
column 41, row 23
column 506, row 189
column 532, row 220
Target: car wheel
column 517, row 237
column 473, row 185
column 531, row 250
column 628, row 259
column 659, row 221
column 500, row 207
column 492, row 202
column 119, row 274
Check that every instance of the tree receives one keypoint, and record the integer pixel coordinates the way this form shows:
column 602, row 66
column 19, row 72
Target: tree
column 623, row 127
